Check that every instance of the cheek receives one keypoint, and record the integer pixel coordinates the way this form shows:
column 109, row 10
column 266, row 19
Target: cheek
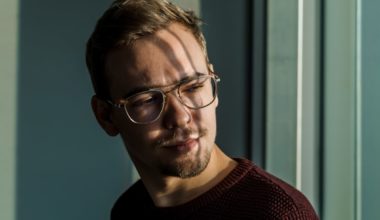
column 206, row 118
column 138, row 142
column 126, row 127
column 139, row 136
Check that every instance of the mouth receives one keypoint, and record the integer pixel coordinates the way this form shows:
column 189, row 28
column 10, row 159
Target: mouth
column 182, row 146
column 182, row 142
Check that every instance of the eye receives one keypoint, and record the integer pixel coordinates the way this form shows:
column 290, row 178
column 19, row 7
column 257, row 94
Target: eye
column 145, row 100
column 193, row 86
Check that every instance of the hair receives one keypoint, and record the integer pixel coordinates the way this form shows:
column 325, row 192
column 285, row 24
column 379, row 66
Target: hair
column 124, row 22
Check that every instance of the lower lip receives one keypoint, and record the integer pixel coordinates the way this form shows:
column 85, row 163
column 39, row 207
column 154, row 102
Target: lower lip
column 185, row 147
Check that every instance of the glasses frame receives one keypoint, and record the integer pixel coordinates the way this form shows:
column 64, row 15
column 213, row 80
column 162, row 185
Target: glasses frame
column 124, row 101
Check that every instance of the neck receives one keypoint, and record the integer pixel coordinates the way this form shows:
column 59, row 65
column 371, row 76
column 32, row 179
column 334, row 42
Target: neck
column 172, row 191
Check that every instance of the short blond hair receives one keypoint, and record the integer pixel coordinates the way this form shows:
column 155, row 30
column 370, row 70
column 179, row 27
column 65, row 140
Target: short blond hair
column 123, row 23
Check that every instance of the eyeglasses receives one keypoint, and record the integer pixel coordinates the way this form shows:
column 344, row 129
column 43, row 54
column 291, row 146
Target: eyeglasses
column 146, row 107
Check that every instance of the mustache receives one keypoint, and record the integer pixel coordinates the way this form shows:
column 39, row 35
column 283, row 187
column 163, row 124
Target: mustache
column 181, row 135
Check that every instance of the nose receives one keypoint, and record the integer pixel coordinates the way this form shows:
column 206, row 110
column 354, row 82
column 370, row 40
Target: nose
column 176, row 115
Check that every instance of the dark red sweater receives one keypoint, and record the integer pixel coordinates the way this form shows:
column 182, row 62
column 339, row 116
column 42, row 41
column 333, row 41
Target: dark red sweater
column 248, row 192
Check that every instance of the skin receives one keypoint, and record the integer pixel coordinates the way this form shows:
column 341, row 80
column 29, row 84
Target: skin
column 176, row 156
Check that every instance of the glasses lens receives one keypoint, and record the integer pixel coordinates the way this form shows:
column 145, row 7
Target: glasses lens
column 145, row 107
column 199, row 92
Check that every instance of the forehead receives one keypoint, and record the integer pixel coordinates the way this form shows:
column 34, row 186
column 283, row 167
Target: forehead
column 164, row 58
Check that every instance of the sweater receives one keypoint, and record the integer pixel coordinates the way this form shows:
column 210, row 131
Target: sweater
column 247, row 192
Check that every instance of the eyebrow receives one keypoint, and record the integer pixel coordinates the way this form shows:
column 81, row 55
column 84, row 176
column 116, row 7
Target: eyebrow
column 139, row 89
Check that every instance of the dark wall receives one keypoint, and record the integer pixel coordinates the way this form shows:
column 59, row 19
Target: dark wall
column 226, row 32
column 67, row 167
column 235, row 33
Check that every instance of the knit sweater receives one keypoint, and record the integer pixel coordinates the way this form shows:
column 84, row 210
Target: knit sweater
column 248, row 192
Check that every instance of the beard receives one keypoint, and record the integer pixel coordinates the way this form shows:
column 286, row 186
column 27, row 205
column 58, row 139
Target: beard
column 189, row 165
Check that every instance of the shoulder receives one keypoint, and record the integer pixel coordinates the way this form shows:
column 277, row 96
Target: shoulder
column 134, row 198
column 275, row 196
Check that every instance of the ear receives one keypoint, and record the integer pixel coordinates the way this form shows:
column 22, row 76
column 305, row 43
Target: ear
column 102, row 111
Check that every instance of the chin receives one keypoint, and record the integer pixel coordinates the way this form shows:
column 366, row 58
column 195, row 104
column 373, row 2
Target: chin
column 187, row 167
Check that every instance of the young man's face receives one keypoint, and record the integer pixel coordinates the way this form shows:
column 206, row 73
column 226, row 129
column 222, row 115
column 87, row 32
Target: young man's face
column 180, row 142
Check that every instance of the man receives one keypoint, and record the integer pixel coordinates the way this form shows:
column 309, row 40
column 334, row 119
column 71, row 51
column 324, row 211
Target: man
column 156, row 88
